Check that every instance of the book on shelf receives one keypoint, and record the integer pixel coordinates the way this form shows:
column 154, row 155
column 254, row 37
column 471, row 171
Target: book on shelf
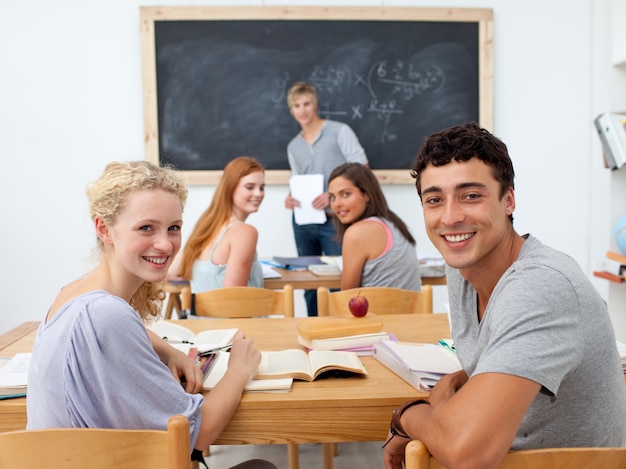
column 609, row 276
column 184, row 339
column 14, row 376
column 420, row 365
column 616, row 257
column 337, row 326
column 611, row 128
column 298, row 364
column 614, row 267
column 218, row 369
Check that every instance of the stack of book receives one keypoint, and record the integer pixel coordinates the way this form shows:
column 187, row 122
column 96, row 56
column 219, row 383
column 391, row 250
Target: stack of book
column 356, row 335
column 613, row 268
column 420, row 365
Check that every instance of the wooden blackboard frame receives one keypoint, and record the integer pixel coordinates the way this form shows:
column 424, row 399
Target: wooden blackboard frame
column 150, row 15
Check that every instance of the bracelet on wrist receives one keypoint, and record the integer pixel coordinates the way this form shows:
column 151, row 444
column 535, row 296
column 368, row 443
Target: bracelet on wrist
column 396, row 426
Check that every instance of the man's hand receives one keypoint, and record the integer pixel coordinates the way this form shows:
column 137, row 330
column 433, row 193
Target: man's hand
column 394, row 451
column 290, row 202
column 321, row 201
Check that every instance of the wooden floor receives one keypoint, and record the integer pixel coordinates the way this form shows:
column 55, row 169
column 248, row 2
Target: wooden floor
column 351, row 455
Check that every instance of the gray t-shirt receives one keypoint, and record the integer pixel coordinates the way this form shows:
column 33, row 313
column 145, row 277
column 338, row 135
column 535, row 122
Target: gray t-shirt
column 336, row 144
column 93, row 366
column 546, row 322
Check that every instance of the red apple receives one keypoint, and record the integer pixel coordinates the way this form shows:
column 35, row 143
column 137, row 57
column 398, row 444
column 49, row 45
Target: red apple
column 358, row 306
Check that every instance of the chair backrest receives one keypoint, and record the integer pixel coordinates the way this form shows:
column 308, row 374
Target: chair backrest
column 418, row 457
column 382, row 300
column 239, row 302
column 78, row 448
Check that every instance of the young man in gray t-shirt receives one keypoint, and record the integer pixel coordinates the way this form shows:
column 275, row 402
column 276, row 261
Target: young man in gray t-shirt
column 540, row 362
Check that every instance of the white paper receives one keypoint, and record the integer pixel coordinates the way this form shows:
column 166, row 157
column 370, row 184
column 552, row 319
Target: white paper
column 15, row 372
column 431, row 358
column 305, row 188
column 268, row 272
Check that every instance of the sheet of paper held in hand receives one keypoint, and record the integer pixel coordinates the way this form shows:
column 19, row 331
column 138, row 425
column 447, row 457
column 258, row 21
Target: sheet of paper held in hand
column 305, row 188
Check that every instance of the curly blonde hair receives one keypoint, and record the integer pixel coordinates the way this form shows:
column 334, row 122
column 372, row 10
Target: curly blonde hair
column 108, row 196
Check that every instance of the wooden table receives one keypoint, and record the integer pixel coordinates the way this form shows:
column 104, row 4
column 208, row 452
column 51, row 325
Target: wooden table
column 325, row 410
column 306, row 280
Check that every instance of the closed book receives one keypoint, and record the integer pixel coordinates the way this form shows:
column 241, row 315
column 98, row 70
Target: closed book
column 384, row 356
column 614, row 267
column 608, row 276
column 325, row 270
column 344, row 342
column 302, row 262
column 430, row 358
column 616, row 257
column 331, row 327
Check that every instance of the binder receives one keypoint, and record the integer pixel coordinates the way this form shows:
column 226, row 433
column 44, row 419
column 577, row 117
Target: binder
column 611, row 128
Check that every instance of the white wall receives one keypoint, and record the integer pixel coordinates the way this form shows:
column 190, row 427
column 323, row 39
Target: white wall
column 70, row 101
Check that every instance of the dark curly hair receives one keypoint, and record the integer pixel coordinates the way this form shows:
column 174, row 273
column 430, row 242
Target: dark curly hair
column 462, row 143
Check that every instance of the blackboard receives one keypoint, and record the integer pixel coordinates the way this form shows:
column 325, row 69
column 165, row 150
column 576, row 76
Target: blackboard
column 221, row 84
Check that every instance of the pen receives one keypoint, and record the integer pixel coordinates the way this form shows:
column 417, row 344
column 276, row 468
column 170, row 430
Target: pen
column 172, row 341
column 447, row 345
column 207, row 365
column 213, row 350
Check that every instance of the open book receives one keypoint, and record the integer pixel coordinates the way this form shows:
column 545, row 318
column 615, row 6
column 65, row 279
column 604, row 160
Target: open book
column 13, row 376
column 298, row 364
column 183, row 339
column 218, row 370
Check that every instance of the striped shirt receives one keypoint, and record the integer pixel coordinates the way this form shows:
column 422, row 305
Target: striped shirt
column 336, row 144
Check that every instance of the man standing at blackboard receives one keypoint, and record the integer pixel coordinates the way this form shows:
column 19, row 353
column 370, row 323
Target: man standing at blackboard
column 320, row 147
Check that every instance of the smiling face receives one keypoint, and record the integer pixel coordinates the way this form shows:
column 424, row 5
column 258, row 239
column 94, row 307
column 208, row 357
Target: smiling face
column 303, row 108
column 346, row 200
column 142, row 243
column 466, row 218
column 249, row 194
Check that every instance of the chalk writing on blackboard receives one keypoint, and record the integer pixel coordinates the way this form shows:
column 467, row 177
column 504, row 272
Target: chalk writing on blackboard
column 220, row 85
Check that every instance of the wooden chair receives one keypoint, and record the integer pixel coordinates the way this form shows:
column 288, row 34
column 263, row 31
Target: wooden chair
column 173, row 290
column 382, row 300
column 418, row 457
column 239, row 302
column 244, row 302
column 78, row 448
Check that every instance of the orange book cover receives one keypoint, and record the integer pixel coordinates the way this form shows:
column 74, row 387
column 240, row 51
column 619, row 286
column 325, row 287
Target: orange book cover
column 616, row 257
column 608, row 276
column 338, row 326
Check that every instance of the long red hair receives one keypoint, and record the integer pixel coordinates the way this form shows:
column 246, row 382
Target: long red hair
column 219, row 211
